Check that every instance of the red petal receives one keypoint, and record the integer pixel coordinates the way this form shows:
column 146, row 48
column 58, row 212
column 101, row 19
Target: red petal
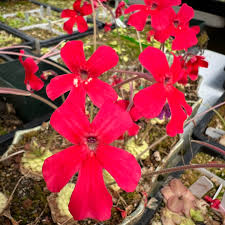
column 184, row 39
column 138, row 20
column 155, row 62
column 81, row 24
column 90, row 198
column 103, row 59
column 150, row 101
column 100, row 92
column 111, row 122
column 70, row 121
column 86, row 9
column 58, row 169
column 76, row 5
column 133, row 130
column 59, row 85
column 177, row 104
column 196, row 29
column 175, row 69
column 68, row 25
column 73, row 55
column 134, row 8
column 185, row 14
column 30, row 66
column 67, row 13
column 118, row 163
column 162, row 19
column 35, row 83
column 168, row 3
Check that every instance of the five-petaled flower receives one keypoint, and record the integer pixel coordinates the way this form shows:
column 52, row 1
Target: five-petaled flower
column 191, row 68
column 163, row 90
column 84, row 76
column 185, row 36
column 90, row 154
column 160, row 11
column 76, row 16
column 31, row 81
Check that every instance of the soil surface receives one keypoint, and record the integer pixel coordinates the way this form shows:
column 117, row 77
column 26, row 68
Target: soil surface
column 29, row 204
column 7, row 39
column 8, row 119
column 12, row 6
column 40, row 34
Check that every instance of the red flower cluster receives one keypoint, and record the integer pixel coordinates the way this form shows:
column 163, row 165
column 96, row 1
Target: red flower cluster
column 89, row 155
column 191, row 68
column 159, row 10
column 76, row 16
column 120, row 9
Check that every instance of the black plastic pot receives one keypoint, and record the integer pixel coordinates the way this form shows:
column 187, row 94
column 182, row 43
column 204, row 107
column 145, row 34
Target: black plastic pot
column 6, row 140
column 185, row 160
column 51, row 41
column 199, row 130
column 31, row 111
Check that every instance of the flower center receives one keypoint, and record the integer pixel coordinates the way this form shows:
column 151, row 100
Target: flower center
column 92, row 143
column 176, row 23
column 83, row 74
column 154, row 6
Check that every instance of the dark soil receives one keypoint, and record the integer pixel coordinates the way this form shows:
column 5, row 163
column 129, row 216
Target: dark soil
column 30, row 198
column 8, row 119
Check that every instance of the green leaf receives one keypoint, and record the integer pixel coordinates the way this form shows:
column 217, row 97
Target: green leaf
column 122, row 18
column 196, row 215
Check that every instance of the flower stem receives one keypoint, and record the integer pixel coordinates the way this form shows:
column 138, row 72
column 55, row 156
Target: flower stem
column 37, row 58
column 180, row 168
column 14, row 91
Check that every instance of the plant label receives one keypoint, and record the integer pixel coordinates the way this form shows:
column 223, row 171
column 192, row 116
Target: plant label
column 214, row 133
column 201, row 186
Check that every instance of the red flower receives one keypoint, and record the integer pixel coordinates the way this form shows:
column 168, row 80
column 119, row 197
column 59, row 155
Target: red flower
column 120, row 9
column 185, row 36
column 163, row 90
column 159, row 10
column 191, row 68
column 31, row 81
column 107, row 27
column 76, row 16
column 133, row 130
column 84, row 74
column 115, row 80
column 89, row 155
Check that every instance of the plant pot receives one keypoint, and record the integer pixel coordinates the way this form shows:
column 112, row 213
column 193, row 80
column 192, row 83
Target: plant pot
column 156, row 200
column 57, row 215
column 36, row 42
column 199, row 130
